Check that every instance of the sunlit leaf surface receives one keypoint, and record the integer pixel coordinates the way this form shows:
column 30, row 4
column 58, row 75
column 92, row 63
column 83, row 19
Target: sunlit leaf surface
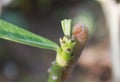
column 14, row 33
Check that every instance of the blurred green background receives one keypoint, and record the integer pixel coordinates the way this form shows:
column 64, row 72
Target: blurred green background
column 20, row 63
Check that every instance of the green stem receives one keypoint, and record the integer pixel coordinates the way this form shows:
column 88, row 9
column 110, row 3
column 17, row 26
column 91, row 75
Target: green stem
column 63, row 57
column 55, row 73
column 68, row 53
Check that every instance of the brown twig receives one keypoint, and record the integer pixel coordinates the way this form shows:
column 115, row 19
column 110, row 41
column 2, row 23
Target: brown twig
column 80, row 35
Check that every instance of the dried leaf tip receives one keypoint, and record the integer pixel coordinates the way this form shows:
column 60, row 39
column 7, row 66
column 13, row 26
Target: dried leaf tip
column 80, row 32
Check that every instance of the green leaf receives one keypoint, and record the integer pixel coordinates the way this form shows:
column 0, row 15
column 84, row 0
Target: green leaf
column 66, row 26
column 14, row 33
